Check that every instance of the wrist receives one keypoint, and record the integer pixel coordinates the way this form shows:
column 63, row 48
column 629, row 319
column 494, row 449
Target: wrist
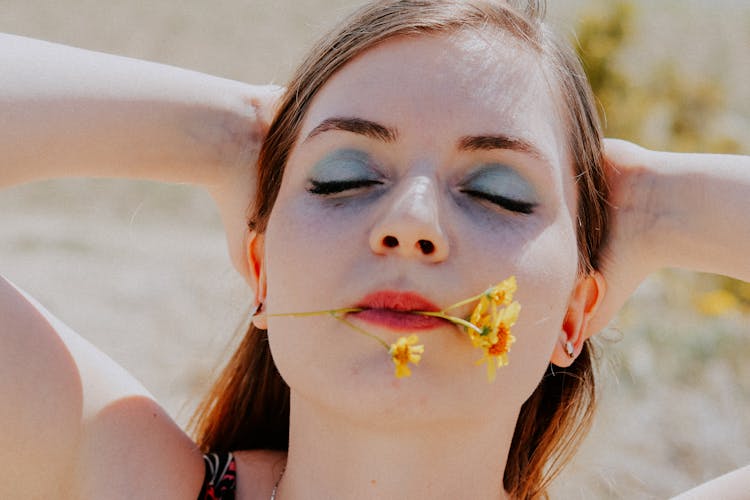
column 660, row 204
column 243, row 124
column 639, row 222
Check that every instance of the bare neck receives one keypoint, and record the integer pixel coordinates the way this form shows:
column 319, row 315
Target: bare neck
column 334, row 458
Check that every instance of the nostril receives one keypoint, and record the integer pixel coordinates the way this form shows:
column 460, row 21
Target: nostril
column 426, row 246
column 390, row 241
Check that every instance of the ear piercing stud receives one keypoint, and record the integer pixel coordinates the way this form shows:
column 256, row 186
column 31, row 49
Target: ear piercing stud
column 569, row 349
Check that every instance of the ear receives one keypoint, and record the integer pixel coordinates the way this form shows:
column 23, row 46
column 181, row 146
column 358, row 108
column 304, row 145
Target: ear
column 586, row 297
column 256, row 263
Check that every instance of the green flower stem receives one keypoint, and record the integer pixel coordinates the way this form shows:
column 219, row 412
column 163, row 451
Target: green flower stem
column 336, row 313
column 464, row 302
column 318, row 313
column 363, row 332
column 452, row 319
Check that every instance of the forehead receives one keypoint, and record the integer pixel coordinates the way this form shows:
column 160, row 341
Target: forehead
column 462, row 83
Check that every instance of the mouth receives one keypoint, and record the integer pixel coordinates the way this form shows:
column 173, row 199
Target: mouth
column 396, row 310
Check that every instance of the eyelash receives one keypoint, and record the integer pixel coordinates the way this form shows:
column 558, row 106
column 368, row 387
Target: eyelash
column 506, row 203
column 334, row 187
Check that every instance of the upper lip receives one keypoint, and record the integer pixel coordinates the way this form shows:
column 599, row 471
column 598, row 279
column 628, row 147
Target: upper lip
column 397, row 301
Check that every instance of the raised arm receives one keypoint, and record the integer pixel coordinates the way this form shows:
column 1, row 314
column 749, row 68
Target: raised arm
column 673, row 210
column 73, row 423
column 703, row 209
column 68, row 112
column 74, row 112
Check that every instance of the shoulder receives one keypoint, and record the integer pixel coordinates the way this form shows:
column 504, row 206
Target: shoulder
column 730, row 486
column 76, row 422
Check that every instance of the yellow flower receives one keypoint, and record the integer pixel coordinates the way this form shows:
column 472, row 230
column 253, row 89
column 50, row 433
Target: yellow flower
column 502, row 293
column 496, row 354
column 495, row 323
column 479, row 314
column 403, row 352
column 488, row 328
column 717, row 302
column 488, row 316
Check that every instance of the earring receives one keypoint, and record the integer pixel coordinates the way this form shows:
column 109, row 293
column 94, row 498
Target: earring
column 258, row 317
column 569, row 349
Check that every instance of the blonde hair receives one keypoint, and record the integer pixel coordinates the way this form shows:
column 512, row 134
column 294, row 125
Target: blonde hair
column 248, row 407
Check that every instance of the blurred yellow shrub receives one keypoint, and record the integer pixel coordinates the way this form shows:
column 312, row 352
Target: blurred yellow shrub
column 663, row 110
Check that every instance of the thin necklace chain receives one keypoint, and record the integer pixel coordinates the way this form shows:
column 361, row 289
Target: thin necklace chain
column 276, row 486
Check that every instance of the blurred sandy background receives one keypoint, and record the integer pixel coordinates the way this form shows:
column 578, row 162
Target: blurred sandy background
column 141, row 270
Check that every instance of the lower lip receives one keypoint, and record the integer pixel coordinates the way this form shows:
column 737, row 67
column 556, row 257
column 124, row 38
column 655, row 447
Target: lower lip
column 399, row 320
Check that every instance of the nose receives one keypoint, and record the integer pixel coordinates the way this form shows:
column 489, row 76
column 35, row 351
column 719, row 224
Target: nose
column 410, row 224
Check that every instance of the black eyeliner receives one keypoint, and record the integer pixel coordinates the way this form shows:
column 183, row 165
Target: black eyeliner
column 333, row 187
column 507, row 203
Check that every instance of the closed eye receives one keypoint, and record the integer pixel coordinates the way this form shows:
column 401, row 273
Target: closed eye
column 506, row 203
column 334, row 187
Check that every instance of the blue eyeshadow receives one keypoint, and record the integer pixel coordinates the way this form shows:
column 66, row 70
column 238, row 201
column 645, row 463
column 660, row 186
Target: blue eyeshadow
column 344, row 164
column 501, row 180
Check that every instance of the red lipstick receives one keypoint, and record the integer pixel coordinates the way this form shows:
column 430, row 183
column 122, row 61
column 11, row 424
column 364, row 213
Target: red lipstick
column 392, row 309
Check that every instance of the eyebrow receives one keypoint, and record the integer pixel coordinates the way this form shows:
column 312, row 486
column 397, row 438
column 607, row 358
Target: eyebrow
column 383, row 133
column 356, row 125
column 499, row 141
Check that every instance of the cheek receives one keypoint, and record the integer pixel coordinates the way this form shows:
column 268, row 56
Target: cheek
column 546, row 274
column 302, row 252
column 305, row 265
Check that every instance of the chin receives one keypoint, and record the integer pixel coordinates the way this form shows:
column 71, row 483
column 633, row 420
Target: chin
column 351, row 375
column 368, row 392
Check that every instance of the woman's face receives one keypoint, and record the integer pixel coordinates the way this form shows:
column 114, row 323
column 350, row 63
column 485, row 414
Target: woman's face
column 435, row 165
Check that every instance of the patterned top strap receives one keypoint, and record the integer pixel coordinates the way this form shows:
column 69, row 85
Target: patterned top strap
column 220, row 480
